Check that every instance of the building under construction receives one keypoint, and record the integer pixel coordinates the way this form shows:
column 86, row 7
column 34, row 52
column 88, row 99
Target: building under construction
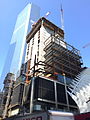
column 53, row 55
column 51, row 64
column 1, row 107
column 7, row 93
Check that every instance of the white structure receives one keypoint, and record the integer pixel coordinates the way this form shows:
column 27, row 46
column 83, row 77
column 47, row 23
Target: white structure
column 80, row 90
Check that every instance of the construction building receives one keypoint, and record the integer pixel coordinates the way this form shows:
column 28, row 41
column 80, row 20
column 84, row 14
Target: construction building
column 1, row 108
column 7, row 92
column 46, row 94
column 53, row 55
column 50, row 66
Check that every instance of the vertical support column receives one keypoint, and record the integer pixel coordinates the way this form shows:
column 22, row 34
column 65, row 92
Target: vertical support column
column 32, row 95
column 55, row 95
column 66, row 91
column 23, row 98
column 32, row 88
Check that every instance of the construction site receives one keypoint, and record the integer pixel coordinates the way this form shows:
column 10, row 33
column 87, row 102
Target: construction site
column 56, row 56
column 47, row 80
column 51, row 65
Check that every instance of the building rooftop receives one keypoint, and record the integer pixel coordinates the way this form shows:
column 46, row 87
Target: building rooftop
column 46, row 23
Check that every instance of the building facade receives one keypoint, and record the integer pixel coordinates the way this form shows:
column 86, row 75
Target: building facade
column 47, row 94
column 1, row 108
column 7, row 92
column 53, row 55
column 16, row 53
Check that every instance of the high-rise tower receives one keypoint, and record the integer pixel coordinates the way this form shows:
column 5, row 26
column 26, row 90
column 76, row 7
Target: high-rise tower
column 15, row 56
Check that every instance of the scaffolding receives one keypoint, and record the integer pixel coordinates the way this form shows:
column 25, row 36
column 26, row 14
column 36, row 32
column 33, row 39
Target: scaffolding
column 61, row 57
column 58, row 57
column 8, row 89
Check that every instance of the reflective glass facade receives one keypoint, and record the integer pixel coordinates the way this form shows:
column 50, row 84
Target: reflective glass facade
column 48, row 95
column 16, row 53
column 61, row 79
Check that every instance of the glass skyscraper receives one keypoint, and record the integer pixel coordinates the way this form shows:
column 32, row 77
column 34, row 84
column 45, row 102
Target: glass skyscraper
column 17, row 48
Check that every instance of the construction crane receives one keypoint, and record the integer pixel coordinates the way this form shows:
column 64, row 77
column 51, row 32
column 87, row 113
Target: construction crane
column 47, row 14
column 87, row 45
column 62, row 18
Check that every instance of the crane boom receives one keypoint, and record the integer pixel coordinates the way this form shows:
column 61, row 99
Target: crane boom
column 85, row 46
column 62, row 18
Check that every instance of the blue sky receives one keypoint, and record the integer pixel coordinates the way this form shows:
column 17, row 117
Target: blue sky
column 76, row 23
